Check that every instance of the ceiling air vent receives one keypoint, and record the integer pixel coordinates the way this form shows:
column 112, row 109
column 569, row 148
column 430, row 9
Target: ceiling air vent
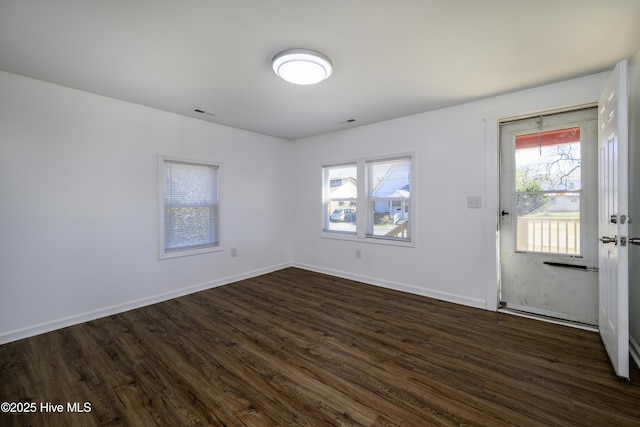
column 203, row 111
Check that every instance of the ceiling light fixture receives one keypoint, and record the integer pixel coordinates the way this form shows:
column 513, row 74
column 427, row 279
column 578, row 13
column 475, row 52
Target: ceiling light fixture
column 302, row 66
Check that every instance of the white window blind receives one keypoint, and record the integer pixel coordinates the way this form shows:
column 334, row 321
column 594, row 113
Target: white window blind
column 190, row 194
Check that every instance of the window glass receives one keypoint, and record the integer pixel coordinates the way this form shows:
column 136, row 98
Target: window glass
column 341, row 196
column 389, row 183
column 190, row 202
column 548, row 189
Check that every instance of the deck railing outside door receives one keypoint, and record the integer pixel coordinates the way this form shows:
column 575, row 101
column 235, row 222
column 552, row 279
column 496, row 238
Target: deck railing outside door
column 548, row 234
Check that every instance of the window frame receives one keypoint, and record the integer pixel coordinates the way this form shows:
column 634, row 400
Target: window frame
column 364, row 209
column 582, row 209
column 196, row 249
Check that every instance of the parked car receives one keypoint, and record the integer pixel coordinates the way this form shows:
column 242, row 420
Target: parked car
column 343, row 215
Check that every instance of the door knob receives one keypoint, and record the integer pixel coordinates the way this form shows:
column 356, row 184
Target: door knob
column 503, row 213
column 605, row 239
column 634, row 240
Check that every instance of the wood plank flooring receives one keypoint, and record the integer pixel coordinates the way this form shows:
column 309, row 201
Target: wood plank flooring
column 300, row 348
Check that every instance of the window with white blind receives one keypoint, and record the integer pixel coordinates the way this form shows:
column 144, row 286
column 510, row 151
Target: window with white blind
column 189, row 211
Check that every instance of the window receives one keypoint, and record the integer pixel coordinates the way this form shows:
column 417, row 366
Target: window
column 376, row 206
column 389, row 198
column 189, row 207
column 341, row 195
column 548, row 185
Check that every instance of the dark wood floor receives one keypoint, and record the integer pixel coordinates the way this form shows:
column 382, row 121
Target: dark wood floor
column 300, row 348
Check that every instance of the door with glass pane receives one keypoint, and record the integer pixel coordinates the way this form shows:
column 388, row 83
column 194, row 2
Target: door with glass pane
column 548, row 216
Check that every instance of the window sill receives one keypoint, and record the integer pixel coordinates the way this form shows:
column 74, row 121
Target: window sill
column 179, row 254
column 370, row 240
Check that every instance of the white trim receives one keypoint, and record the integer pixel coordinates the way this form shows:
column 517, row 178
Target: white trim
column 41, row 328
column 187, row 252
column 549, row 112
column 350, row 237
column 541, row 317
column 429, row 293
column 537, row 312
column 492, row 200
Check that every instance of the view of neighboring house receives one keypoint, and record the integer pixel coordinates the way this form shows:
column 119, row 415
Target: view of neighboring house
column 343, row 193
column 391, row 193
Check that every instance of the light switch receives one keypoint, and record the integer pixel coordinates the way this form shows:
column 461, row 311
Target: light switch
column 474, row 202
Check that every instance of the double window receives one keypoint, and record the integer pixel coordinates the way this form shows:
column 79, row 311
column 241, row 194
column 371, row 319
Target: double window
column 189, row 213
column 369, row 198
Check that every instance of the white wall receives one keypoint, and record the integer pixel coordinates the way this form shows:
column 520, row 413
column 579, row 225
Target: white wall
column 454, row 257
column 79, row 201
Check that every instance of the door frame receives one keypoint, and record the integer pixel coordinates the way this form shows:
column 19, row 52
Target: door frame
column 586, row 116
column 579, row 94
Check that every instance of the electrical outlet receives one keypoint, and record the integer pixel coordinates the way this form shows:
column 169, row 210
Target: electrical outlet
column 234, row 252
column 358, row 253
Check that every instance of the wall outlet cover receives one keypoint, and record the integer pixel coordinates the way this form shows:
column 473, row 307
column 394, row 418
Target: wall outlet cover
column 474, row 202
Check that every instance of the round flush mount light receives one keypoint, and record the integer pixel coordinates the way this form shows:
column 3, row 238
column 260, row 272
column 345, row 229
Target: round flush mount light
column 302, row 66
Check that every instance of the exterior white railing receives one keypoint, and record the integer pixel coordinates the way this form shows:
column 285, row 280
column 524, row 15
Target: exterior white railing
column 548, row 234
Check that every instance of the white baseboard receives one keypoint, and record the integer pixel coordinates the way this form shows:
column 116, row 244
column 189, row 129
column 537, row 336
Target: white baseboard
column 431, row 293
column 41, row 328
column 634, row 349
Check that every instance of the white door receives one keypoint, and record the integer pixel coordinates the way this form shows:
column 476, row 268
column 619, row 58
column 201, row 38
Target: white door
column 634, row 207
column 548, row 222
column 613, row 219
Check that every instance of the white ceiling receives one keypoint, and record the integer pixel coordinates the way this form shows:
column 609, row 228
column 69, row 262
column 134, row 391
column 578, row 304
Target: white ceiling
column 391, row 58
